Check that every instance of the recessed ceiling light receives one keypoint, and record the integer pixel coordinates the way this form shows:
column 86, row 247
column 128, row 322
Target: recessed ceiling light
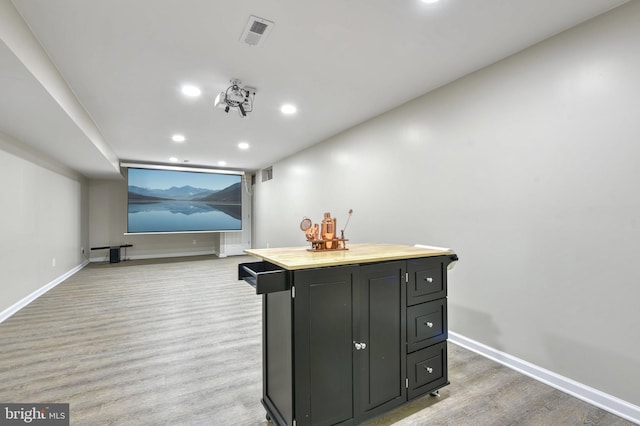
column 430, row 1
column 222, row 163
column 243, row 145
column 178, row 138
column 173, row 159
column 288, row 109
column 191, row 90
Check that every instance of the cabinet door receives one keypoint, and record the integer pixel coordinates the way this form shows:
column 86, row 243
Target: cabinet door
column 323, row 345
column 380, row 358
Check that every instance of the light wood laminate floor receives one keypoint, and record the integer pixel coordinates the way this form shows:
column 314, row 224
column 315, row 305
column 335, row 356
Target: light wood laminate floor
column 178, row 342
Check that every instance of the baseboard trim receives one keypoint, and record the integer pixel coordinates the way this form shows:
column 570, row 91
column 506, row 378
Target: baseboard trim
column 165, row 255
column 158, row 255
column 581, row 391
column 11, row 310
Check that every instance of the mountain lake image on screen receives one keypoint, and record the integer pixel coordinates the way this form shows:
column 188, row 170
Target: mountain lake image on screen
column 182, row 201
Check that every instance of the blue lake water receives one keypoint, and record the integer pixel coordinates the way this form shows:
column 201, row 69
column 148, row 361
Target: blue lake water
column 180, row 216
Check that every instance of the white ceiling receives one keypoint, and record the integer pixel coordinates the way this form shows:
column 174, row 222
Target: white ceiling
column 340, row 61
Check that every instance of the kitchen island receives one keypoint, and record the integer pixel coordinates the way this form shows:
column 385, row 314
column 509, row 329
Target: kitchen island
column 349, row 334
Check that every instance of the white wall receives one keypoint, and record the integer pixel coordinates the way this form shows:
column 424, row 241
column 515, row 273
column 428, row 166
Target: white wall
column 44, row 222
column 529, row 170
column 108, row 224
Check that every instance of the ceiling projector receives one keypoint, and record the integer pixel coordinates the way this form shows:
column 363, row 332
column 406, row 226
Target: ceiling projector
column 236, row 97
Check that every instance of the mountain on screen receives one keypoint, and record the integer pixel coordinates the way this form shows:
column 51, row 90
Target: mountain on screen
column 231, row 194
column 186, row 192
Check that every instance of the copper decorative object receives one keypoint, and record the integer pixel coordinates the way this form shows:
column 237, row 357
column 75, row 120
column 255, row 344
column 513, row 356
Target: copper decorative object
column 324, row 237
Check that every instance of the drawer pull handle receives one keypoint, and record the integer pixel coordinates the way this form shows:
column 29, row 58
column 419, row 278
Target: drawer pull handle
column 428, row 279
column 429, row 370
column 429, row 324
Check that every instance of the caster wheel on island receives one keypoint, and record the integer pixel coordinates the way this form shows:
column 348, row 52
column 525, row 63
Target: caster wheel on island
column 435, row 393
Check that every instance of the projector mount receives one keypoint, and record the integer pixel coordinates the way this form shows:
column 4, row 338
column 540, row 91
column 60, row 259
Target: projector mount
column 236, row 97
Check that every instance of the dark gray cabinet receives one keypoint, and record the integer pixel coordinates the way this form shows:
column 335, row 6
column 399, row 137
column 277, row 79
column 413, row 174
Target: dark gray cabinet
column 323, row 334
column 379, row 327
column 427, row 324
column 343, row 344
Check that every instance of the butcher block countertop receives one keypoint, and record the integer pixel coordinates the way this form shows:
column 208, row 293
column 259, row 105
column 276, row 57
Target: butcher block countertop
column 293, row 258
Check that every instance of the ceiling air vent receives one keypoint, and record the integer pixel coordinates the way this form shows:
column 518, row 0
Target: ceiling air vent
column 256, row 31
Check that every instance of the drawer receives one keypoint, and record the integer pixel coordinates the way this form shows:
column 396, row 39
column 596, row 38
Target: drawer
column 265, row 277
column 427, row 370
column 427, row 279
column 426, row 324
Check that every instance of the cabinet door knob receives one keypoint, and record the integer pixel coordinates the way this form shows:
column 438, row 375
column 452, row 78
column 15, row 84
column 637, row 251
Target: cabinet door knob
column 428, row 279
column 429, row 370
column 429, row 324
column 359, row 346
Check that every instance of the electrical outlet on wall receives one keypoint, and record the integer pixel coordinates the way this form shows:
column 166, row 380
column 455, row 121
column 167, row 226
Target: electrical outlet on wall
column 195, row 242
column 53, row 262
